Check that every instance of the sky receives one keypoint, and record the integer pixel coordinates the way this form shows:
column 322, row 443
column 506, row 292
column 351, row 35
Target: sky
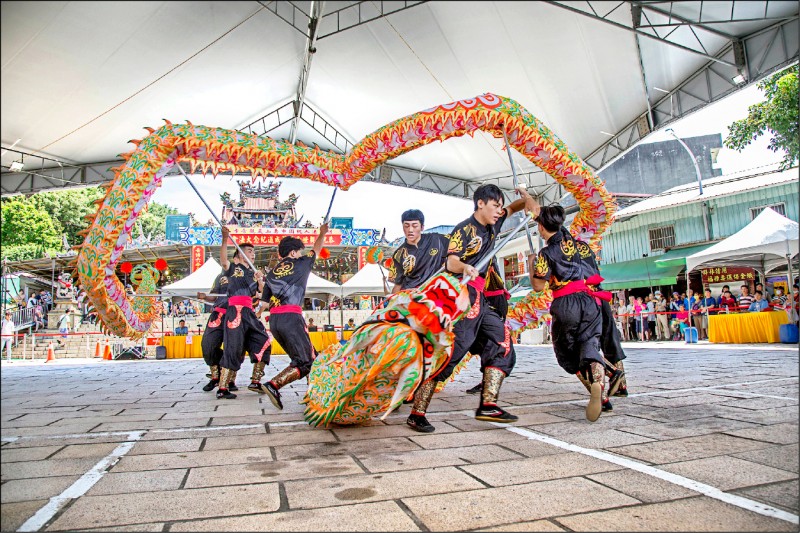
column 373, row 205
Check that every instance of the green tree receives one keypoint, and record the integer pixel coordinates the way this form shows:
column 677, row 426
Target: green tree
column 778, row 113
column 26, row 231
column 67, row 209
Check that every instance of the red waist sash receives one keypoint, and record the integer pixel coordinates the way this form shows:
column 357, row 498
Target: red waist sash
column 246, row 301
column 580, row 286
column 478, row 283
column 221, row 310
column 286, row 309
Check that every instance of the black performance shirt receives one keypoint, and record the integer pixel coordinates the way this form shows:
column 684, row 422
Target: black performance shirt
column 286, row 283
column 560, row 261
column 471, row 241
column 241, row 280
column 220, row 287
column 412, row 265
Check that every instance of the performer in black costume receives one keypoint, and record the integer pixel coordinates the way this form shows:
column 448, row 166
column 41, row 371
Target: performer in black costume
column 243, row 329
column 577, row 320
column 471, row 241
column 420, row 256
column 215, row 329
column 284, row 291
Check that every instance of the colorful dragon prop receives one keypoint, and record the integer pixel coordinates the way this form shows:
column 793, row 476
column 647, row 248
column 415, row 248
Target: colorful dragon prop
column 221, row 150
column 387, row 356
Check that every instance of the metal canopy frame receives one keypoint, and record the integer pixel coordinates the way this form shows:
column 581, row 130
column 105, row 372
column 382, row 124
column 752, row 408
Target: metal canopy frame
column 753, row 56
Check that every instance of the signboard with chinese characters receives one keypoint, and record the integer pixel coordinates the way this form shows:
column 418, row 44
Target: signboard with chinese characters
column 259, row 236
column 198, row 257
column 362, row 256
column 341, row 222
column 173, row 225
column 273, row 236
column 727, row 274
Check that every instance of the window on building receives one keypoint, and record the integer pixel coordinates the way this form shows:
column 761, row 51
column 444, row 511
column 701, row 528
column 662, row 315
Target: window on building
column 663, row 237
column 778, row 208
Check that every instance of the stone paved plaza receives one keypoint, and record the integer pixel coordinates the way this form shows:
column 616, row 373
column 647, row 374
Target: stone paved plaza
column 707, row 440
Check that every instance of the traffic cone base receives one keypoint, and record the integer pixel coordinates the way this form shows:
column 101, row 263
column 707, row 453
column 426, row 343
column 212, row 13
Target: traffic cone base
column 97, row 349
column 51, row 356
column 107, row 353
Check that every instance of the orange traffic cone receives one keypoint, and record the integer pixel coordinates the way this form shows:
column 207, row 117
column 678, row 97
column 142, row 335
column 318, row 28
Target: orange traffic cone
column 107, row 353
column 97, row 349
column 51, row 356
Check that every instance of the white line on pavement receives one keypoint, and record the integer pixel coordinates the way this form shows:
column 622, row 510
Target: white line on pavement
column 702, row 488
column 81, row 486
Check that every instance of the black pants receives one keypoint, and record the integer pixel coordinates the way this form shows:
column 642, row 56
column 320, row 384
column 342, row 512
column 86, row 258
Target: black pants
column 482, row 329
column 610, row 338
column 244, row 331
column 213, row 337
column 577, row 328
column 289, row 329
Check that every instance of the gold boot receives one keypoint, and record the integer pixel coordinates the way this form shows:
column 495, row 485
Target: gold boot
column 582, row 378
column 232, row 381
column 255, row 378
column 623, row 382
column 488, row 409
column 226, row 375
column 272, row 387
column 422, row 399
column 214, row 375
column 595, row 405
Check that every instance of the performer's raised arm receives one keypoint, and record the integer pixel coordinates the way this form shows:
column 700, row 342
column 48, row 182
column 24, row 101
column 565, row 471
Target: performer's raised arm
column 323, row 230
column 223, row 249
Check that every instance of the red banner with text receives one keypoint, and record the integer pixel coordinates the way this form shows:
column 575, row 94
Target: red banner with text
column 198, row 257
column 362, row 256
column 271, row 237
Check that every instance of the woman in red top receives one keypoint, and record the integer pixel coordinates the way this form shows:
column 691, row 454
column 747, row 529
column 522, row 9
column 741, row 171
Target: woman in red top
column 727, row 301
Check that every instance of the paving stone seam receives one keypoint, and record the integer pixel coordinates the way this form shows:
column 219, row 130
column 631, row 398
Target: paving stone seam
column 414, row 518
column 81, row 486
column 473, row 476
column 702, row 488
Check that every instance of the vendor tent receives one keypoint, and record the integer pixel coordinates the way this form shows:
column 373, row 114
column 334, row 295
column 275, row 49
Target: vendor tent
column 368, row 280
column 318, row 285
column 763, row 244
column 200, row 280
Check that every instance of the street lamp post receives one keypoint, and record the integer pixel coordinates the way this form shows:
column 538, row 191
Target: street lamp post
column 699, row 179
column 649, row 281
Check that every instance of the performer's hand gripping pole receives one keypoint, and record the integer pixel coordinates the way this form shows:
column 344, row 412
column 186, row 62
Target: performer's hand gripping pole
column 241, row 253
column 516, row 184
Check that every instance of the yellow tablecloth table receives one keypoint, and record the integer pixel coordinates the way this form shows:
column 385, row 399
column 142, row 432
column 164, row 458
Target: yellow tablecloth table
column 744, row 328
column 178, row 349
column 346, row 334
column 319, row 339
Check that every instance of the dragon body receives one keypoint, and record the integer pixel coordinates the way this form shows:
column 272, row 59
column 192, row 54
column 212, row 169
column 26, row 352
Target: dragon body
column 220, row 150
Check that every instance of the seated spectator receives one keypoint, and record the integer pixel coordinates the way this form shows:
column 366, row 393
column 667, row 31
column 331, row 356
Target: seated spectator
column 779, row 300
column 182, row 329
column 759, row 304
column 38, row 318
column 745, row 299
column 728, row 302
column 311, row 325
column 351, row 325
column 680, row 323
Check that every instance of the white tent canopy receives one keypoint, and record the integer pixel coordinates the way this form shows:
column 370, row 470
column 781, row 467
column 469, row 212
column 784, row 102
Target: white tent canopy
column 318, row 285
column 200, row 280
column 763, row 244
column 368, row 280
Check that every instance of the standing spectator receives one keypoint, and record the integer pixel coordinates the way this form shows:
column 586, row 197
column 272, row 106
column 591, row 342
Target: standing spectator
column 704, row 306
column 765, row 294
column 759, row 304
column 63, row 325
column 32, row 301
column 689, row 300
column 7, row 335
column 622, row 320
column 662, row 320
column 638, row 310
column 725, row 288
column 674, row 305
column 728, row 302
column 745, row 299
column 651, row 318
column 796, row 305
column 630, row 310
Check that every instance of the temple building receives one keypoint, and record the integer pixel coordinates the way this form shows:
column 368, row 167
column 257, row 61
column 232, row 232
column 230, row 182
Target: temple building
column 259, row 207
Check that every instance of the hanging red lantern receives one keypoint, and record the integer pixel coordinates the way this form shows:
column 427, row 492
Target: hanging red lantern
column 126, row 268
column 161, row 264
column 324, row 253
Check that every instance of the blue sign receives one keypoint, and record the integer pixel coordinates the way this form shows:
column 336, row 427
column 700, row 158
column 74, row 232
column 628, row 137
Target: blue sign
column 174, row 224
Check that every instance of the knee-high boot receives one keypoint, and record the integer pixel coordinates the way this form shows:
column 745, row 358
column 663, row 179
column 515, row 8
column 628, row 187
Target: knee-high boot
column 226, row 376
column 212, row 384
column 597, row 391
column 488, row 409
column 422, row 399
column 622, row 390
column 255, row 378
column 273, row 386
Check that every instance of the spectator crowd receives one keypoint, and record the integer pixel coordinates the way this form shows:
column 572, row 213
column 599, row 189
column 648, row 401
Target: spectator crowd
column 657, row 317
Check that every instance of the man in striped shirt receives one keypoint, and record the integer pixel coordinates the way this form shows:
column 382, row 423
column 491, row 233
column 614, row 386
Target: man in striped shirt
column 745, row 299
